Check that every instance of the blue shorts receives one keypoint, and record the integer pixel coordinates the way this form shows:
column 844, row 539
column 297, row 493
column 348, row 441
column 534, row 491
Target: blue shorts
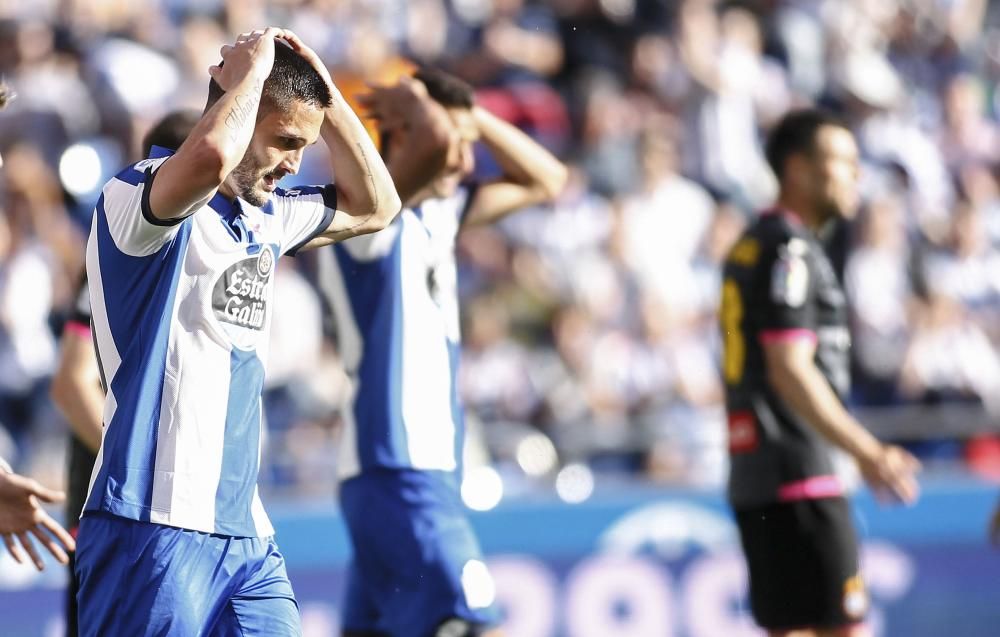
column 416, row 563
column 138, row 578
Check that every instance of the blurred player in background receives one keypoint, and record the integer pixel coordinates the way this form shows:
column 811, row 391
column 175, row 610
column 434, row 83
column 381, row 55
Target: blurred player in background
column 417, row 568
column 174, row 539
column 76, row 386
column 21, row 514
column 786, row 368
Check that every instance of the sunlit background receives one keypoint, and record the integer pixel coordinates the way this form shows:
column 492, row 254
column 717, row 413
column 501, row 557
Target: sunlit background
column 596, row 457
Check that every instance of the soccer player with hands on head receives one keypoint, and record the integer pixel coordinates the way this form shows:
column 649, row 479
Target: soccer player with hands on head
column 174, row 539
column 417, row 568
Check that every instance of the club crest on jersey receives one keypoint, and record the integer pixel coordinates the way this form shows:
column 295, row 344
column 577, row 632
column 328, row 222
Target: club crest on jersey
column 240, row 295
column 790, row 275
column 855, row 598
column 265, row 261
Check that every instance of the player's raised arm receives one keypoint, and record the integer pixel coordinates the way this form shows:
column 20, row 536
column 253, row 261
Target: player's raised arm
column 220, row 140
column 531, row 174
column 416, row 128
column 366, row 198
column 76, row 386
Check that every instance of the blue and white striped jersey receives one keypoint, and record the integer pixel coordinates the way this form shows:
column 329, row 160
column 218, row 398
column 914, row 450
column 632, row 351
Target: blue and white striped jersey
column 181, row 318
column 395, row 304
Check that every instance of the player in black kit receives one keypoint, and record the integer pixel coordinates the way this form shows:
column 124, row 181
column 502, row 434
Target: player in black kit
column 77, row 385
column 786, row 370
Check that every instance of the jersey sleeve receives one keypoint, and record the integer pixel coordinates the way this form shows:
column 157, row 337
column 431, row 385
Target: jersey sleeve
column 306, row 212
column 787, row 307
column 125, row 202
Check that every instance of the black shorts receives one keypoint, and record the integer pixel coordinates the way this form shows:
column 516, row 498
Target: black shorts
column 803, row 563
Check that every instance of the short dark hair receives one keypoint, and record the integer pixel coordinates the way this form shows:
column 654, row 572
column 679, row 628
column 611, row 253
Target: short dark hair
column 446, row 89
column 171, row 131
column 796, row 133
column 292, row 78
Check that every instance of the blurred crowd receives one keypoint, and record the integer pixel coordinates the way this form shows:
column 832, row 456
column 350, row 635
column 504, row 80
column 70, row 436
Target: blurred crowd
column 592, row 321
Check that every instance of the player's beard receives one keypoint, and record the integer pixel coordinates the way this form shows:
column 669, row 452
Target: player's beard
column 247, row 178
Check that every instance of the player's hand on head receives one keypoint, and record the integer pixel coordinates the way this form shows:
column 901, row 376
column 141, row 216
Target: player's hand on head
column 892, row 473
column 395, row 105
column 252, row 53
column 300, row 47
column 21, row 517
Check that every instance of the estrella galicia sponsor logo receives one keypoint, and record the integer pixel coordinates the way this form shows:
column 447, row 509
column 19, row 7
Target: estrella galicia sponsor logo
column 240, row 295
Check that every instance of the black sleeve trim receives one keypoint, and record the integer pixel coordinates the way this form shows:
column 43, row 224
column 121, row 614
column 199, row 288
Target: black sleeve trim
column 328, row 213
column 472, row 190
column 147, row 212
column 330, row 196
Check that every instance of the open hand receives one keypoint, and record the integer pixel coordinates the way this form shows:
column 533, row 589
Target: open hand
column 893, row 473
column 21, row 516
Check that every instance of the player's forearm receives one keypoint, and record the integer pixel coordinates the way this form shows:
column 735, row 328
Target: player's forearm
column 212, row 150
column 522, row 159
column 803, row 388
column 76, row 388
column 81, row 402
column 224, row 132
column 364, row 186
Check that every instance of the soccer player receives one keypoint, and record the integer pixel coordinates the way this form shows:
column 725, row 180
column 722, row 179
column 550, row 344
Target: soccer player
column 174, row 539
column 417, row 569
column 786, row 369
column 76, row 386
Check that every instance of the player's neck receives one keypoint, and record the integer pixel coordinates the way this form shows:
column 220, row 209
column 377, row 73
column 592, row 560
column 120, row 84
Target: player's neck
column 419, row 198
column 804, row 210
column 415, row 201
column 226, row 191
